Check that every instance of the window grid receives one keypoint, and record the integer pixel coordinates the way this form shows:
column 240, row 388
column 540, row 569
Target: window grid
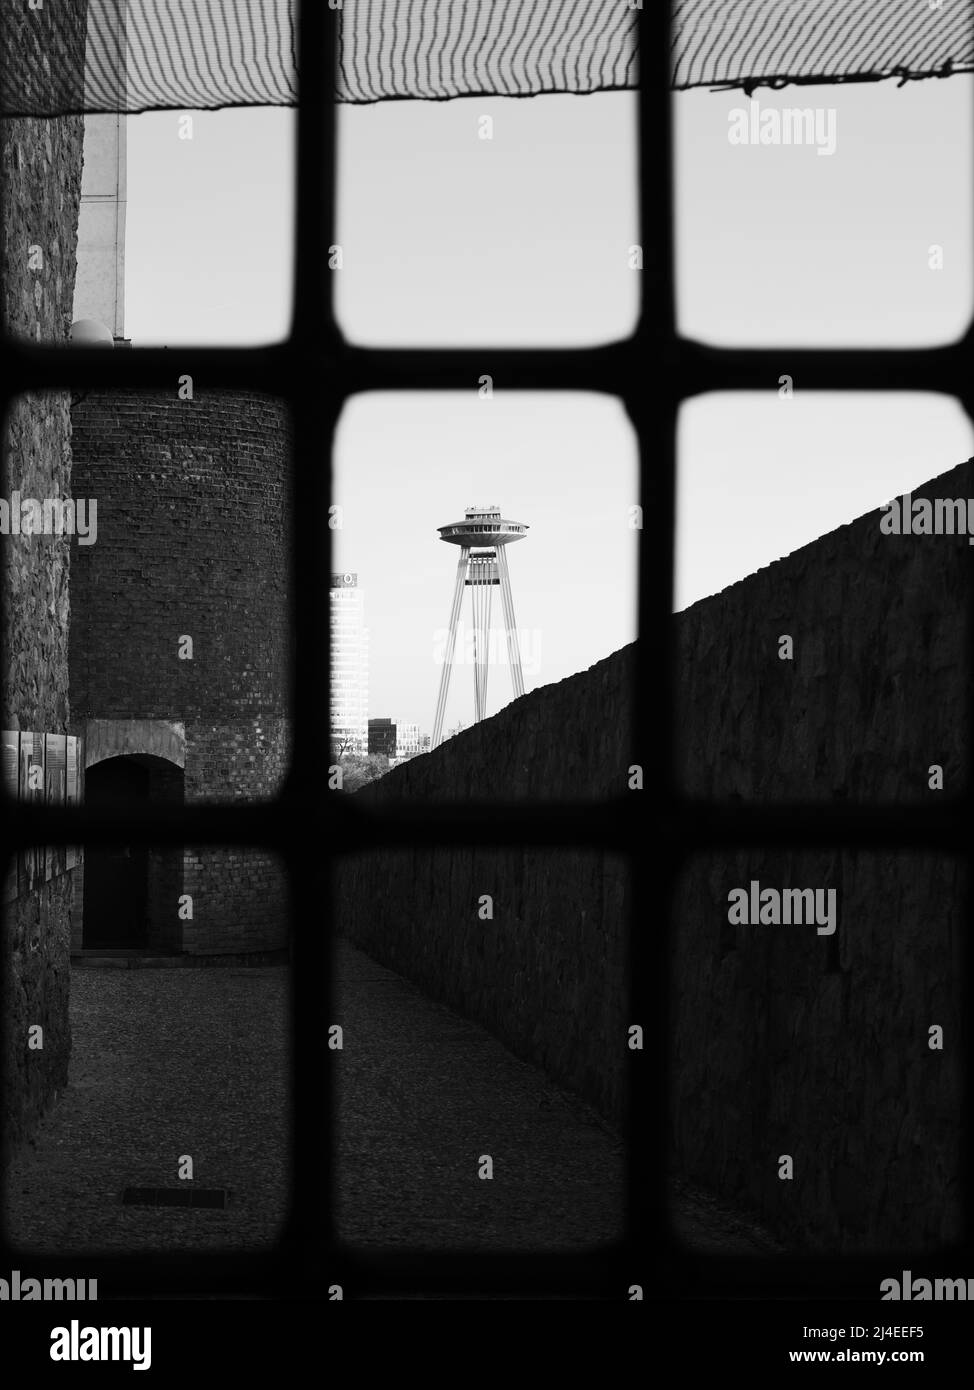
column 653, row 372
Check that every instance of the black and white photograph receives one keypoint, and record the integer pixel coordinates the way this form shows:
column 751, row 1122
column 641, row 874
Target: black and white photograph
column 557, row 413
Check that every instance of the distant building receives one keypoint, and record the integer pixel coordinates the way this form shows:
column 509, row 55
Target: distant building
column 407, row 739
column 424, row 743
column 395, row 739
column 99, row 286
column 349, row 711
column 382, row 738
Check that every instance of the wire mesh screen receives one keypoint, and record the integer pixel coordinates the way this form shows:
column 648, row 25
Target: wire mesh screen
column 144, row 55
column 748, row 43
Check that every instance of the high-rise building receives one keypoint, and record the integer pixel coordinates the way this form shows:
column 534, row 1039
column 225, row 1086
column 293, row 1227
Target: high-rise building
column 349, row 711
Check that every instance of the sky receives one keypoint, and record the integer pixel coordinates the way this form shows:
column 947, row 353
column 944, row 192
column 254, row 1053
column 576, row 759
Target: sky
column 782, row 244
column 452, row 240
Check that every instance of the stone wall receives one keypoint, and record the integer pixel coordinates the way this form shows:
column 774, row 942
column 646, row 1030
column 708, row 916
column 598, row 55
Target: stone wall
column 40, row 166
column 875, row 692
column 193, row 542
column 784, row 1041
column 539, row 747
column 36, row 986
column 789, row 1042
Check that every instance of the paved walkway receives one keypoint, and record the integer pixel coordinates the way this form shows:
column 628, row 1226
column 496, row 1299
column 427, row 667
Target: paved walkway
column 423, row 1095
column 712, row 1227
column 174, row 1062
column 164, row 1063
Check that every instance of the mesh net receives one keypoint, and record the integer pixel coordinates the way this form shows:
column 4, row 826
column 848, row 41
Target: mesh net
column 749, row 43
column 150, row 54
column 436, row 49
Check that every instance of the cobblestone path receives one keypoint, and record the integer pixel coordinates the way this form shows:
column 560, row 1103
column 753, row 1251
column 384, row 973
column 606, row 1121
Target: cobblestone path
column 172, row 1062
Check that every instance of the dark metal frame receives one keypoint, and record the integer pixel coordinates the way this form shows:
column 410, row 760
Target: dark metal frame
column 655, row 830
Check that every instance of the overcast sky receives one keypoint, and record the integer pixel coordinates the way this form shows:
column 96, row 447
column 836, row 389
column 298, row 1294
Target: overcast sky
column 524, row 239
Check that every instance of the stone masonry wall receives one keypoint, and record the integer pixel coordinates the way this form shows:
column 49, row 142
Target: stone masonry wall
column 784, row 1041
column 817, row 1046
column 40, row 168
column 193, row 500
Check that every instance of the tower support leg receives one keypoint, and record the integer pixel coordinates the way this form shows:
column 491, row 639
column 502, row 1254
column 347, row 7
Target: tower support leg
column 488, row 601
column 450, row 644
column 507, row 598
column 476, row 608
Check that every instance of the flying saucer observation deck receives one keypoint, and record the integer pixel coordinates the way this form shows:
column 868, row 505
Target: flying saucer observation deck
column 482, row 529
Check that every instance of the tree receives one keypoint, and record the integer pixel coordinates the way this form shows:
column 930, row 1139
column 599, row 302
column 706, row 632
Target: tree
column 359, row 771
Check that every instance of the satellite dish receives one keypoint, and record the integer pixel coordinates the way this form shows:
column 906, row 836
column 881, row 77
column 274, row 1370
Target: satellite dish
column 91, row 333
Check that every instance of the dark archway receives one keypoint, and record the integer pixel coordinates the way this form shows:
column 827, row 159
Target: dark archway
column 131, row 891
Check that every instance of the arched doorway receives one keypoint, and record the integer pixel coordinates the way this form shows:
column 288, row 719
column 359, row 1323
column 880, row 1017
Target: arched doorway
column 131, row 891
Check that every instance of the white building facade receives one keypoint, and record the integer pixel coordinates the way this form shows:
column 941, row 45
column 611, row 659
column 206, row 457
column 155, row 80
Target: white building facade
column 349, row 638
column 407, row 739
column 99, row 291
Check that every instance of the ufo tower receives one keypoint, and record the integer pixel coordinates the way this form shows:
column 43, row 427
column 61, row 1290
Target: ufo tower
column 482, row 536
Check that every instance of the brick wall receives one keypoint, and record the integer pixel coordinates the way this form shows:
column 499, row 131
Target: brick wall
column 40, row 166
column 249, row 881
column 193, row 500
column 784, row 1041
